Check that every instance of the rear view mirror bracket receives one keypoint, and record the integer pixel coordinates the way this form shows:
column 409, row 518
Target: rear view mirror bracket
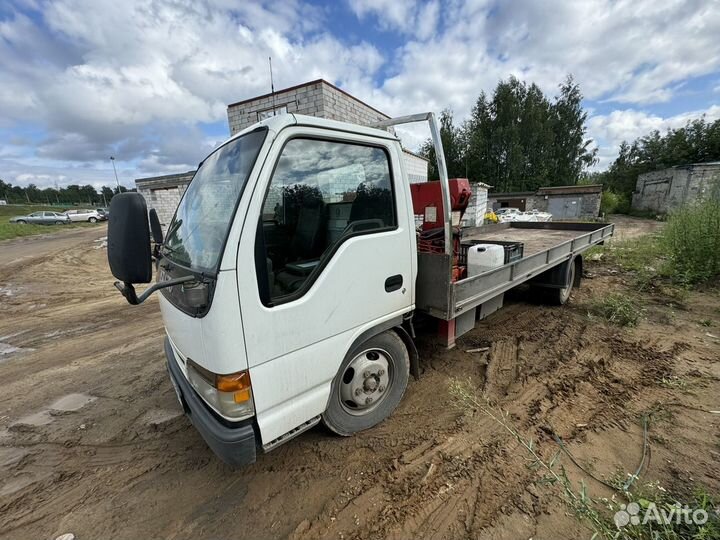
column 128, row 290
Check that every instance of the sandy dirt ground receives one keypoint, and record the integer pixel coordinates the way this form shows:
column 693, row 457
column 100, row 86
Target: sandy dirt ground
column 93, row 441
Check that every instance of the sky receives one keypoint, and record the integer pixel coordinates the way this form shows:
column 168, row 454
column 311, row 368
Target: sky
column 149, row 81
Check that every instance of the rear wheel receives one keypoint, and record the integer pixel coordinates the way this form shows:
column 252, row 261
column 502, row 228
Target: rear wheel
column 92, row 220
column 558, row 296
column 369, row 385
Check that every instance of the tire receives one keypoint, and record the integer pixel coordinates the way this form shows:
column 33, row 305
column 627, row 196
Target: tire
column 92, row 220
column 558, row 296
column 347, row 411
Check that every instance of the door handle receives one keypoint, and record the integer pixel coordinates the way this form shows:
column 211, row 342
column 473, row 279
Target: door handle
column 393, row 283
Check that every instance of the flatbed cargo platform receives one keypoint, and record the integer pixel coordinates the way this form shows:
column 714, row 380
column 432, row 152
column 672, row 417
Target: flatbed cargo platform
column 546, row 245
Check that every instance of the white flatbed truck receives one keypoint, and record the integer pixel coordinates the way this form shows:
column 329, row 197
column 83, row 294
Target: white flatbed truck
column 290, row 276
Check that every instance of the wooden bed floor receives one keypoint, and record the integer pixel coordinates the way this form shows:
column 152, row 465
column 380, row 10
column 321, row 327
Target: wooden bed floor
column 534, row 240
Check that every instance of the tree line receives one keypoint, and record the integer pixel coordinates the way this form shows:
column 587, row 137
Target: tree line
column 698, row 141
column 518, row 139
column 69, row 195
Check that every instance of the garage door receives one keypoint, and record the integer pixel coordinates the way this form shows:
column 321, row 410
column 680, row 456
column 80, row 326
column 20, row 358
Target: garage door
column 564, row 207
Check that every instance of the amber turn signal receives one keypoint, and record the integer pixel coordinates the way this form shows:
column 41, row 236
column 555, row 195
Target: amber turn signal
column 233, row 382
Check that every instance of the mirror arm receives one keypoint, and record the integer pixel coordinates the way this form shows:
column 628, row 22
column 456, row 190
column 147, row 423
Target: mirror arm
column 128, row 291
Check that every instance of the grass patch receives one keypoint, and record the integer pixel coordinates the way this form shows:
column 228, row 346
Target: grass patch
column 14, row 230
column 643, row 257
column 685, row 254
column 618, row 309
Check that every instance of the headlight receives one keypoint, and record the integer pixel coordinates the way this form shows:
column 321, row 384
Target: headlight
column 230, row 395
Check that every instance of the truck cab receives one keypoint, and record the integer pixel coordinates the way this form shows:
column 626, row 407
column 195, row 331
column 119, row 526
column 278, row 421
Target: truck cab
column 297, row 241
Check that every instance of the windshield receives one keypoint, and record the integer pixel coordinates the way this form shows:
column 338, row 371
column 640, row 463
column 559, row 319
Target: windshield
column 197, row 233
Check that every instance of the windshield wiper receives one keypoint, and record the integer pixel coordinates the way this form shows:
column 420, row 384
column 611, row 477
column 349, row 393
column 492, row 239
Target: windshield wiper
column 173, row 227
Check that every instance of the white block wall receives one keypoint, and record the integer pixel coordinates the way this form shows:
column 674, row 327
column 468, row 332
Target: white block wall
column 475, row 213
column 416, row 167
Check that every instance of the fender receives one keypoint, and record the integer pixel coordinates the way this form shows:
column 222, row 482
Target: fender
column 395, row 324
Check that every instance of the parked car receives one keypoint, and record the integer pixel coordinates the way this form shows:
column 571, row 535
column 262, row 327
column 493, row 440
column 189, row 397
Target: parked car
column 42, row 218
column 91, row 216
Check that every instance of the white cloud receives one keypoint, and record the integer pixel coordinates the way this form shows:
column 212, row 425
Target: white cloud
column 136, row 77
column 391, row 14
column 96, row 73
column 627, row 125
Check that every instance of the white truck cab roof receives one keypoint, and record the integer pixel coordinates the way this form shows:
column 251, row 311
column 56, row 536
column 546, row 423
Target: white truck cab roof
column 281, row 121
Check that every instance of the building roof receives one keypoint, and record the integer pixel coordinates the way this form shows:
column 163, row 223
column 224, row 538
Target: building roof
column 686, row 166
column 551, row 190
column 515, row 195
column 302, row 85
column 414, row 154
column 569, row 190
column 165, row 181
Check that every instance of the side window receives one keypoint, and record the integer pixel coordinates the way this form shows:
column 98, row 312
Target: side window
column 321, row 193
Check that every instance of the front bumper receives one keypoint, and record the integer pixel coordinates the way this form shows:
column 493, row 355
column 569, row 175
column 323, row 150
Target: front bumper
column 234, row 443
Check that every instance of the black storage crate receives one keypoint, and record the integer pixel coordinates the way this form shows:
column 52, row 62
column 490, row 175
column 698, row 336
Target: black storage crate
column 513, row 250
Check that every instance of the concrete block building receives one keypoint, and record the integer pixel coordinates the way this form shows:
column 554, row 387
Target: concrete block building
column 316, row 98
column 563, row 202
column 163, row 193
column 665, row 190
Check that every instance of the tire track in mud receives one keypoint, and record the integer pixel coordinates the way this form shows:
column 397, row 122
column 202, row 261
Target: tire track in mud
column 586, row 378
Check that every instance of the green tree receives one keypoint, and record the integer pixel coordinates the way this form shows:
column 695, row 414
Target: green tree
column 107, row 194
column 453, row 148
column 697, row 141
column 518, row 139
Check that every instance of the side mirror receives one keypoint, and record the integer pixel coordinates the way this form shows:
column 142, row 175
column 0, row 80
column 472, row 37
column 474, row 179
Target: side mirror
column 129, row 239
column 129, row 246
column 155, row 227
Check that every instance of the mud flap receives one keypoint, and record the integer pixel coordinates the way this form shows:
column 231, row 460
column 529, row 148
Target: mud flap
column 412, row 351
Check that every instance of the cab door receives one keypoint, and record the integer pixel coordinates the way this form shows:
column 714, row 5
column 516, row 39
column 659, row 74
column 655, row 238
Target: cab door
column 327, row 252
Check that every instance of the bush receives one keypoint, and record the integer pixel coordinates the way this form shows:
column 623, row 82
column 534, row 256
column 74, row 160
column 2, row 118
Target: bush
column 614, row 203
column 692, row 240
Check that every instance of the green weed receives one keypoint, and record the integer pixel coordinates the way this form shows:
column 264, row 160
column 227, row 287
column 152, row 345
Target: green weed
column 691, row 239
column 619, row 309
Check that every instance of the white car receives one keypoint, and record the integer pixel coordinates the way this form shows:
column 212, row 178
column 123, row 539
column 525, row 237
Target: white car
column 91, row 216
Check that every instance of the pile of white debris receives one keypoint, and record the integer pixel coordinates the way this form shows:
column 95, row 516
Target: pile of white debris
column 513, row 214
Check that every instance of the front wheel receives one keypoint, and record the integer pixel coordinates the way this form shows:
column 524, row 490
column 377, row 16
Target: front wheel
column 369, row 385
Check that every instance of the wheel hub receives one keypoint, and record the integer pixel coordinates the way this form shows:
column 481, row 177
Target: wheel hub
column 365, row 381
